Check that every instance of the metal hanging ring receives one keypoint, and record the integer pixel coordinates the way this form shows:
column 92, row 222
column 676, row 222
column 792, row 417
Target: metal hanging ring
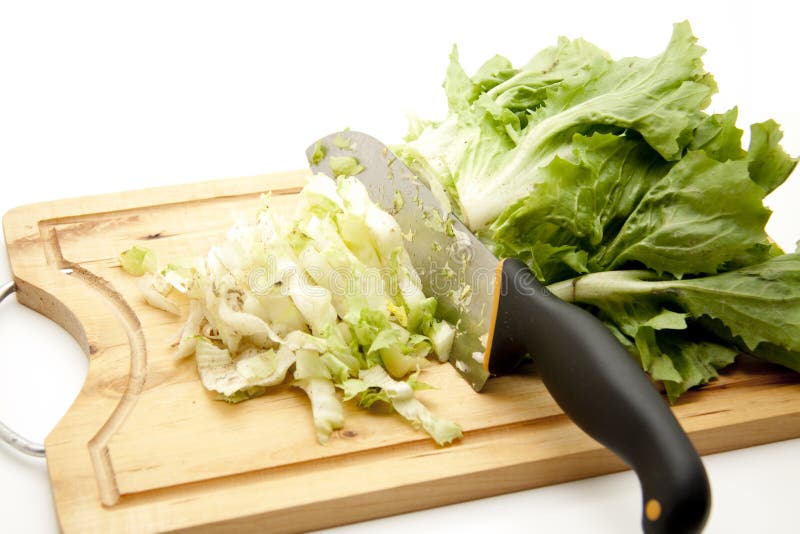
column 6, row 434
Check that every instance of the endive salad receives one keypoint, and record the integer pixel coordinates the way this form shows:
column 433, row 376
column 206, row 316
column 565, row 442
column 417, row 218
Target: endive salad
column 326, row 298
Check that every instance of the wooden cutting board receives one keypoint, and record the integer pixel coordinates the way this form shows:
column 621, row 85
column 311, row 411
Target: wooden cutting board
column 145, row 448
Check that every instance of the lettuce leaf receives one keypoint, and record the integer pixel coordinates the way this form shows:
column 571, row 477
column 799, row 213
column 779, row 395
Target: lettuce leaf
column 684, row 331
column 138, row 260
column 401, row 397
column 575, row 161
column 592, row 169
column 499, row 156
column 675, row 229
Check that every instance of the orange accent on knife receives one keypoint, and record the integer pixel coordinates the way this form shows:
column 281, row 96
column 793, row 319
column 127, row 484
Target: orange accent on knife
column 498, row 275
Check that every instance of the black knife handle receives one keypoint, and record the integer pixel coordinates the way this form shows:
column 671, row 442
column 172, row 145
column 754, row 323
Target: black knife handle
column 600, row 386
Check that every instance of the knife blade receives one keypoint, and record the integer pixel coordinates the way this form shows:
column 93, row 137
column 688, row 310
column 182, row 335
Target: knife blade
column 502, row 312
column 451, row 262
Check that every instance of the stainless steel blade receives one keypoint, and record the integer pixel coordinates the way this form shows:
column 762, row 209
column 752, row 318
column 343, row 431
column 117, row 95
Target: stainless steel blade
column 453, row 265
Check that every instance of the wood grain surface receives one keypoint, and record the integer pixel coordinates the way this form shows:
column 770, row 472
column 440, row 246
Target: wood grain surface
column 144, row 448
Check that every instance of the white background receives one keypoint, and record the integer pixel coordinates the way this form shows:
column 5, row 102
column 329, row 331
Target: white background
column 100, row 98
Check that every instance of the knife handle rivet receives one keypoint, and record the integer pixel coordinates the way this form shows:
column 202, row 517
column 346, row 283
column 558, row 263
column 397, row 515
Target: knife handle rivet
column 652, row 510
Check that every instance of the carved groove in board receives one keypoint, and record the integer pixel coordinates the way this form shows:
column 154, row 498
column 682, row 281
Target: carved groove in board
column 98, row 445
column 48, row 230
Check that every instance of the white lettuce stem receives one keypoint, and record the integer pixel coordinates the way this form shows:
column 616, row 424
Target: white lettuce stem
column 600, row 287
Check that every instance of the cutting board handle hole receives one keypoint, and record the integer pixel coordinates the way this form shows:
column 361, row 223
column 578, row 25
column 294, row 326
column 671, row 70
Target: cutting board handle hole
column 42, row 373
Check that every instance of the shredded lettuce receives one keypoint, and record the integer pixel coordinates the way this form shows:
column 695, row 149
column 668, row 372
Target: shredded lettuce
column 345, row 165
column 138, row 260
column 374, row 385
column 329, row 291
column 155, row 290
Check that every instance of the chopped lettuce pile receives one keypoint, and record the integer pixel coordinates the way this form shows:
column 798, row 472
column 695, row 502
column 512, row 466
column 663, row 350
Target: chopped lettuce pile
column 580, row 164
column 329, row 292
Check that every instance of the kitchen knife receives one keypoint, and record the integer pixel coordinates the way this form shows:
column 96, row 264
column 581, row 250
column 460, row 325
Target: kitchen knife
column 502, row 313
